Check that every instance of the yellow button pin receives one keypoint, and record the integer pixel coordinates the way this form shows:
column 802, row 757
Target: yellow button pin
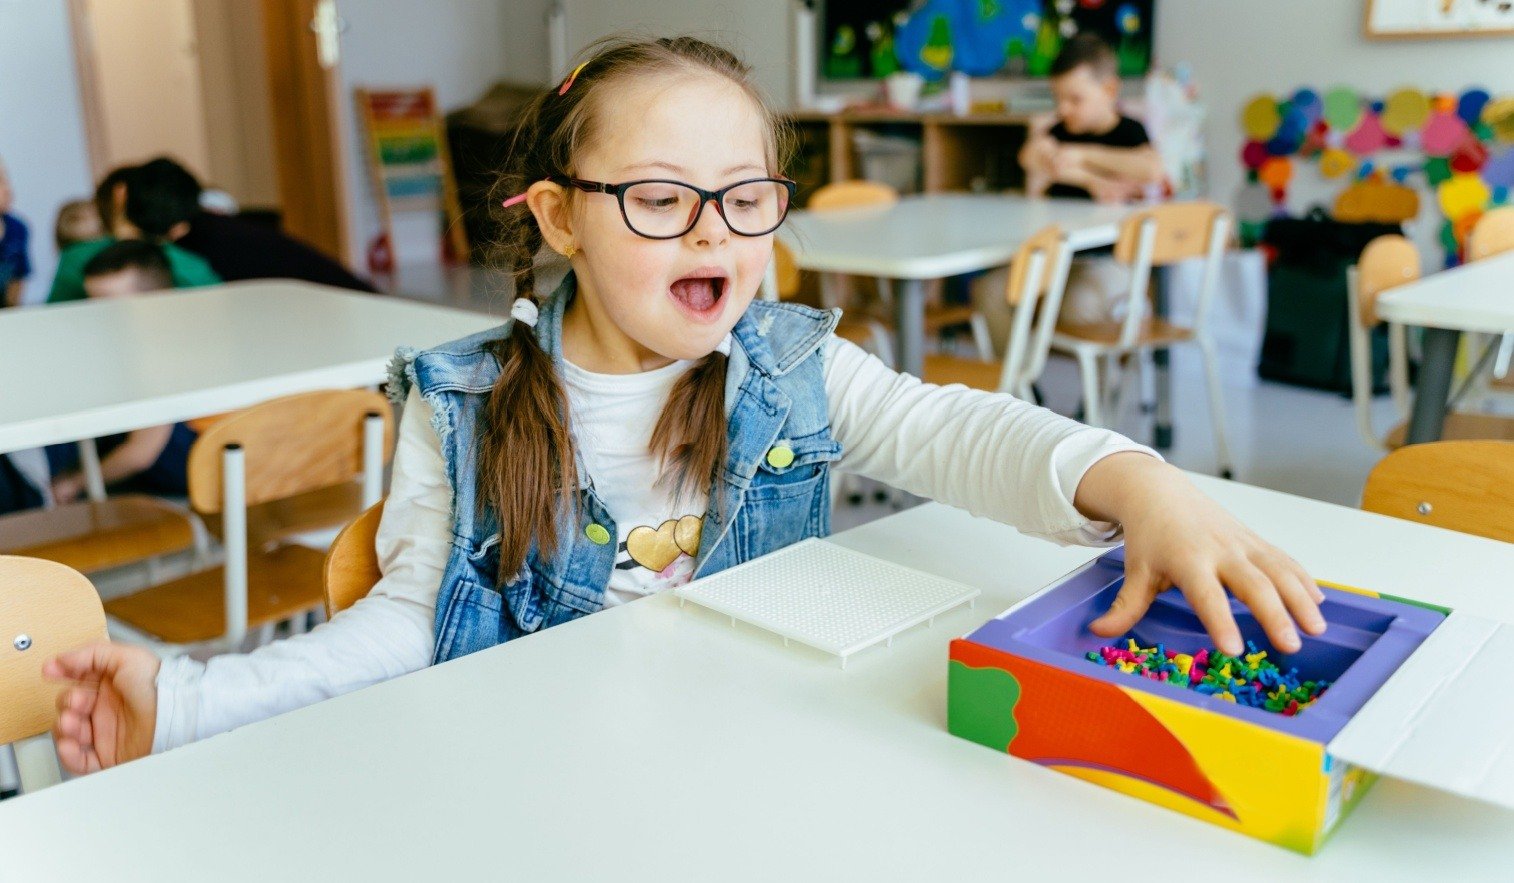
column 597, row 534
column 781, row 456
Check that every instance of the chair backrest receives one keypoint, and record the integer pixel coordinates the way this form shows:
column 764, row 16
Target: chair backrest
column 1492, row 234
column 852, row 194
column 352, row 565
column 289, row 445
column 1037, row 278
column 46, row 608
column 1387, row 262
column 1466, row 486
column 1182, row 230
column 1166, row 234
column 785, row 272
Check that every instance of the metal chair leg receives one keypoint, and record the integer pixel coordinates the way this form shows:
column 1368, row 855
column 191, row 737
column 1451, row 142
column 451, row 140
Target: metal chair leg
column 10, row 772
column 1216, row 408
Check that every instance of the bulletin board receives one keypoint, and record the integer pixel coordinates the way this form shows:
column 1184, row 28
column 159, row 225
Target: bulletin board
column 409, row 165
column 1420, row 19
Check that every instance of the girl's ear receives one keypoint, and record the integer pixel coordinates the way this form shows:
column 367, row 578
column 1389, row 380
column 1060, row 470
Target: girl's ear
column 549, row 203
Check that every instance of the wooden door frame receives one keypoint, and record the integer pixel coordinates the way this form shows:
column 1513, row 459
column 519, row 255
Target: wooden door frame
column 308, row 146
column 82, row 35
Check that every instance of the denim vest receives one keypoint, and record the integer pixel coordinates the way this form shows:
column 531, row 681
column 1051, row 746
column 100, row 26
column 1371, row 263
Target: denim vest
column 775, row 402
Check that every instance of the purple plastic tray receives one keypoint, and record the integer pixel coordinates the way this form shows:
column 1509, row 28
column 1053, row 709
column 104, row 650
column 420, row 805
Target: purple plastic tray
column 1365, row 641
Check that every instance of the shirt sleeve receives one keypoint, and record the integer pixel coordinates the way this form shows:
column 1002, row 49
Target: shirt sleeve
column 386, row 634
column 989, row 453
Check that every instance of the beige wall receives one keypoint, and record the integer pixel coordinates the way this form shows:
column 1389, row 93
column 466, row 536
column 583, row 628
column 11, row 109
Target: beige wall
column 234, row 82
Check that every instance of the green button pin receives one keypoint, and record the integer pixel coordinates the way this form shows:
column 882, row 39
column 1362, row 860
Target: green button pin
column 597, row 534
column 781, row 456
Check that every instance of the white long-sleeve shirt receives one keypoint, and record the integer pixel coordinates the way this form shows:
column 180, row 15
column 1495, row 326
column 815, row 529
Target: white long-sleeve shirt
column 991, row 454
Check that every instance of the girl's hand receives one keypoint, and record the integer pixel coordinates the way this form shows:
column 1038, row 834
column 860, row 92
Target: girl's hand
column 1174, row 535
column 109, row 711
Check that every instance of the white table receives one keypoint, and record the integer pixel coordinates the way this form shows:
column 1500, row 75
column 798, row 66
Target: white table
column 1473, row 297
column 935, row 236
column 651, row 742
column 94, row 368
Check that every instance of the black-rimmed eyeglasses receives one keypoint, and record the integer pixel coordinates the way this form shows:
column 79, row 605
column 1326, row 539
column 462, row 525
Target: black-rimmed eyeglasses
column 665, row 209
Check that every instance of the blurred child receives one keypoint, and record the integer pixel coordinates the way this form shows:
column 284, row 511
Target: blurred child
column 1091, row 152
column 189, row 270
column 78, row 221
column 150, row 460
column 15, row 260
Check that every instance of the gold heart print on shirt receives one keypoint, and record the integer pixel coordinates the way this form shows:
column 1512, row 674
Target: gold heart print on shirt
column 656, row 549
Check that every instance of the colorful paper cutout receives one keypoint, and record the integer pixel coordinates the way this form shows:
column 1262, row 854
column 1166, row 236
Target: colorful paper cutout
column 1498, row 171
column 1260, row 119
column 1443, row 134
column 1469, row 106
column 1470, row 156
column 1368, row 137
column 1276, row 172
column 1377, row 202
column 1342, row 108
column 1405, row 111
column 1334, row 163
column 1253, row 154
column 1498, row 116
column 1437, row 169
column 1308, row 102
column 1462, row 194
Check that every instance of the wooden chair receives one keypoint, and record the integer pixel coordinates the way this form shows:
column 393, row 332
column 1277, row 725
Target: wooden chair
column 1387, row 262
column 279, row 449
column 783, row 284
column 1466, row 486
column 352, row 565
column 1151, row 238
column 839, row 195
column 1037, row 278
column 95, row 535
column 46, row 608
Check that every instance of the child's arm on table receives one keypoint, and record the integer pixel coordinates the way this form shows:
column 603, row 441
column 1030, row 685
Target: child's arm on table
column 1049, row 476
column 1135, row 165
column 119, row 704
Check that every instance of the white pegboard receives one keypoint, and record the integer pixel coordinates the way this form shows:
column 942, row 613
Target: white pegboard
column 827, row 596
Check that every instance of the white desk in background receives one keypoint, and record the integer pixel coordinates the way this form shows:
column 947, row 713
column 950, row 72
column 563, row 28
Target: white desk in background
column 652, row 742
column 93, row 368
column 935, row 236
column 1473, row 297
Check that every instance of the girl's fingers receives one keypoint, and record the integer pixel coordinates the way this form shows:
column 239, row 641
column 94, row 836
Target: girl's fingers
column 71, row 755
column 1209, row 601
column 84, row 664
column 1130, row 604
column 1297, row 597
column 1258, row 592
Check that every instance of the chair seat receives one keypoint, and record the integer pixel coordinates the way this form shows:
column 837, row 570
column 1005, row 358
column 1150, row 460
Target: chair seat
column 976, row 373
column 1462, row 426
column 277, row 520
column 90, row 536
column 939, row 316
column 1153, row 333
column 280, row 584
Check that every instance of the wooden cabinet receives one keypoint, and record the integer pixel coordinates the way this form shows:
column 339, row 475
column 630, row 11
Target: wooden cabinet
column 957, row 153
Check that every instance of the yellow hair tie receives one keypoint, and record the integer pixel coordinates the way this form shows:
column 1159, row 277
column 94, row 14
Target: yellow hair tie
column 571, row 77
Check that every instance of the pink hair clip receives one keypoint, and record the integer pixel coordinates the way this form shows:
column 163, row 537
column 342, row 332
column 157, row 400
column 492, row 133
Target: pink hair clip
column 571, row 77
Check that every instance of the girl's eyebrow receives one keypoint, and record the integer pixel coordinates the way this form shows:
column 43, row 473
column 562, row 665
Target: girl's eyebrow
column 680, row 170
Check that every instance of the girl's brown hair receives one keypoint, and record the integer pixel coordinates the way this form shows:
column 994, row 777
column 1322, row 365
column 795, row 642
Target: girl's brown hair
column 527, row 469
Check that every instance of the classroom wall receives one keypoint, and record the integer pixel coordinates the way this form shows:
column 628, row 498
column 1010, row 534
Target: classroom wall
column 1238, row 49
column 41, row 124
column 459, row 48
column 760, row 31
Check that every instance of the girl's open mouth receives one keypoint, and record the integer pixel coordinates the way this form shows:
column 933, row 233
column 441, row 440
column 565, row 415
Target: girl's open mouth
column 699, row 294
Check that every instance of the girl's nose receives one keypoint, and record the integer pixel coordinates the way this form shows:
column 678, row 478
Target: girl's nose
column 711, row 228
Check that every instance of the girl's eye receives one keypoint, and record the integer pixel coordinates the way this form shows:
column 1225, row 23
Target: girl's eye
column 658, row 203
column 745, row 205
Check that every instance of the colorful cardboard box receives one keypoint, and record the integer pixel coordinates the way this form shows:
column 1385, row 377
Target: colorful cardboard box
column 1021, row 684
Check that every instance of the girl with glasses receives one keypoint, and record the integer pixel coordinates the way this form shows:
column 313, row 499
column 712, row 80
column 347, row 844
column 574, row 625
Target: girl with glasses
column 650, row 422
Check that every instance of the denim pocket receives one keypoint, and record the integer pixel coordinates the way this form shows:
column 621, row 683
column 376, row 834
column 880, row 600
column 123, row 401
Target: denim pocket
column 472, row 621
